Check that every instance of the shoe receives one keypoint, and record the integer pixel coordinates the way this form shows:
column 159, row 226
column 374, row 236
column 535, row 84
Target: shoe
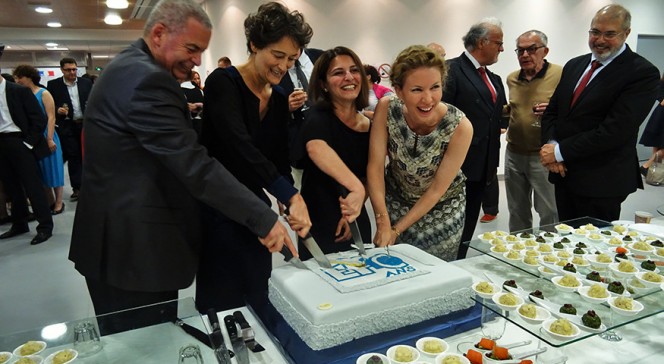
column 14, row 231
column 62, row 209
column 487, row 218
column 644, row 171
column 40, row 238
column 74, row 196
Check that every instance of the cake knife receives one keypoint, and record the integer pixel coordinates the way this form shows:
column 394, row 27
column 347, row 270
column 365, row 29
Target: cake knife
column 354, row 228
column 313, row 248
column 241, row 353
column 288, row 256
column 217, row 339
column 247, row 333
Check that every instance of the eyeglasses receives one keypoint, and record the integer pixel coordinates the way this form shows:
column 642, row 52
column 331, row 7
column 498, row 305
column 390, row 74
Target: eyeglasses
column 607, row 35
column 69, row 69
column 531, row 50
column 499, row 44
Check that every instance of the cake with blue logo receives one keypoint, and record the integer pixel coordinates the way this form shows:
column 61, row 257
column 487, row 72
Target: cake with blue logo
column 366, row 295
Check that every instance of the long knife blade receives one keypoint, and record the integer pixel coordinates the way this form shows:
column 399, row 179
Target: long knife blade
column 288, row 256
column 217, row 339
column 247, row 333
column 354, row 228
column 196, row 333
column 241, row 353
column 314, row 249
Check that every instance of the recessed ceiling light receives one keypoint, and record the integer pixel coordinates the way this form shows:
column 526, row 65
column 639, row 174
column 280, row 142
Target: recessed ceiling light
column 117, row 4
column 113, row 19
column 51, row 44
column 43, row 10
column 54, row 24
column 58, row 49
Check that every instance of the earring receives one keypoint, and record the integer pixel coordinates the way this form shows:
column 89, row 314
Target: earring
column 324, row 90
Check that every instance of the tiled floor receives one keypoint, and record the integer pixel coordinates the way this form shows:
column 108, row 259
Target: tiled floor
column 40, row 286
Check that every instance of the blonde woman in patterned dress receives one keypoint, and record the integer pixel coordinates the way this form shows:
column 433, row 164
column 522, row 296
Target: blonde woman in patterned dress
column 419, row 196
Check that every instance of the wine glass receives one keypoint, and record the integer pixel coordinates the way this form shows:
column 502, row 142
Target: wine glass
column 536, row 123
column 299, row 87
column 493, row 324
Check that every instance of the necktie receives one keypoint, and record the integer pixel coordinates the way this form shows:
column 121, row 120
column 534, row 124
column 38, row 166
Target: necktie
column 301, row 76
column 488, row 84
column 584, row 81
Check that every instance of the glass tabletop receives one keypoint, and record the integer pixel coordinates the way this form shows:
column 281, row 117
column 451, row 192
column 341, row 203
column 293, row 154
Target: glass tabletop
column 530, row 278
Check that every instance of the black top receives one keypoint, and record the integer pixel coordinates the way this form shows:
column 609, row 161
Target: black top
column 254, row 150
column 193, row 95
column 319, row 190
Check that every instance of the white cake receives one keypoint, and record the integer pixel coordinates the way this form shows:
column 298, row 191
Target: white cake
column 327, row 308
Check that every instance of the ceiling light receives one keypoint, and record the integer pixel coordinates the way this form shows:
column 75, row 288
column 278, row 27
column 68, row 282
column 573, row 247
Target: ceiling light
column 54, row 24
column 117, row 4
column 43, row 10
column 58, row 49
column 113, row 19
column 51, row 44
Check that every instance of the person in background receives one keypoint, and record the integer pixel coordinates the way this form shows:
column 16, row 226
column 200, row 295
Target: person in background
column 51, row 166
column 479, row 93
column 653, row 134
column 194, row 95
column 531, row 87
column 245, row 128
column 439, row 49
column 137, row 230
column 22, row 143
column 590, row 127
column 419, row 197
column 70, row 94
column 376, row 90
column 224, row 62
column 335, row 139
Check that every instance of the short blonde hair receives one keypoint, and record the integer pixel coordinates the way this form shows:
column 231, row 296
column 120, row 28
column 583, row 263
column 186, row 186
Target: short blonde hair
column 414, row 57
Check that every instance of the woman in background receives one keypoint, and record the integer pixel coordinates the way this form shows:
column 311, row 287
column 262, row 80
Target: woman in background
column 336, row 141
column 52, row 166
column 245, row 128
column 376, row 90
column 419, row 198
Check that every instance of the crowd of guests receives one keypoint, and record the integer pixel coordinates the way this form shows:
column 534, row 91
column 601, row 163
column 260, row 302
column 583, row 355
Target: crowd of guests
column 425, row 152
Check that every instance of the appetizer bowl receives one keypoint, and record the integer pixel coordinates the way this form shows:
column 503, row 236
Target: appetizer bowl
column 541, row 316
column 556, row 282
column 421, row 345
column 613, row 267
column 549, row 236
column 6, row 356
column 635, row 251
column 583, row 291
column 513, row 255
column 42, row 344
column 365, row 357
column 546, row 272
column 441, row 358
column 487, row 295
column 496, row 298
column 564, row 229
column 49, row 359
column 592, row 258
column 547, row 327
column 507, row 246
column 636, row 307
column 36, row 359
column 649, row 283
column 392, row 352
column 486, row 237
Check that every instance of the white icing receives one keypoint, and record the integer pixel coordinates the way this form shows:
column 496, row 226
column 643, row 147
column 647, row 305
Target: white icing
column 297, row 293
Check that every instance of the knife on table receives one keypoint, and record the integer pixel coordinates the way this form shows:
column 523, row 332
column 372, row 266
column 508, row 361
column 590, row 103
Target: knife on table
column 241, row 353
column 313, row 248
column 354, row 228
column 247, row 333
column 217, row 339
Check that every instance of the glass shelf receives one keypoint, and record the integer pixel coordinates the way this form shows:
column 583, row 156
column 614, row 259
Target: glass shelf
column 529, row 278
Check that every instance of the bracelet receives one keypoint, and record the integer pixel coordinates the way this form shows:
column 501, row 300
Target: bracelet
column 396, row 231
column 378, row 216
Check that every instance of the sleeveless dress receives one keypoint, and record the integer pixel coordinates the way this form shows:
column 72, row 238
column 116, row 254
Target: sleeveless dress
column 51, row 166
column 413, row 162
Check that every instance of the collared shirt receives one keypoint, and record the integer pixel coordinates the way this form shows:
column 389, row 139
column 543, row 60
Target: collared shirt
column 478, row 65
column 540, row 74
column 6, row 122
column 75, row 101
column 305, row 64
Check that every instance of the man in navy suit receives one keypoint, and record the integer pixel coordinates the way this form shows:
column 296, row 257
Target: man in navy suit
column 590, row 127
column 479, row 93
column 70, row 94
column 22, row 143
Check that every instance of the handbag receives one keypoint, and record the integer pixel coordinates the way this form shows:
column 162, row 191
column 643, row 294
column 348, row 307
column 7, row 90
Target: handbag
column 655, row 174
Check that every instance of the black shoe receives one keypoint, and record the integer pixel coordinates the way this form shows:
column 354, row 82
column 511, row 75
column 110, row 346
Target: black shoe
column 40, row 238
column 14, row 231
column 74, row 196
column 62, row 209
column 644, row 171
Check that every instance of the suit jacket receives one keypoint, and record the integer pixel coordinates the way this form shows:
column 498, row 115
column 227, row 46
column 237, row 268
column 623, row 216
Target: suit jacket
column 58, row 89
column 137, row 224
column 28, row 116
column 466, row 90
column 597, row 136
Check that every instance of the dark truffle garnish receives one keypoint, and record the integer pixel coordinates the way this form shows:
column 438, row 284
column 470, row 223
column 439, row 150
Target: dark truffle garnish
column 578, row 251
column 591, row 320
column 621, row 256
column 537, row 293
column 616, row 287
column 526, row 235
column 594, row 276
column 540, row 239
column 548, row 235
column 648, row 265
column 627, row 238
column 569, row 267
column 581, row 245
column 605, row 232
column 657, row 244
column 568, row 309
column 565, row 241
column 375, row 359
column 510, row 283
column 558, row 245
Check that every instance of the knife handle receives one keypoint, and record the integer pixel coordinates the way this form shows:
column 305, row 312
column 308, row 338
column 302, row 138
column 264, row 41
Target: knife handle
column 214, row 320
column 229, row 321
column 239, row 317
column 286, row 253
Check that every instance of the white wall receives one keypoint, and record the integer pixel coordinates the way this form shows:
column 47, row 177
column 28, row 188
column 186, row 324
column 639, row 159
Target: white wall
column 378, row 29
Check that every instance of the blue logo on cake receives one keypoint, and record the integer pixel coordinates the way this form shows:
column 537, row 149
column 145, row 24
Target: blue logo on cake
column 377, row 267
